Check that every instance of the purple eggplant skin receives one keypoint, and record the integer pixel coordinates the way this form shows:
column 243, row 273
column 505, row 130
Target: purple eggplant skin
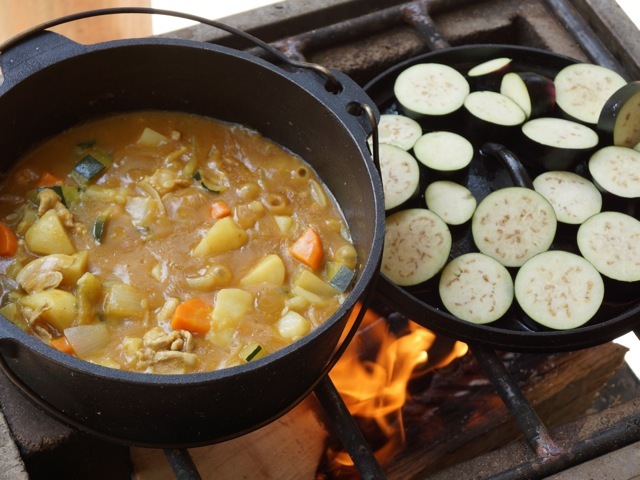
column 491, row 74
column 619, row 121
column 540, row 90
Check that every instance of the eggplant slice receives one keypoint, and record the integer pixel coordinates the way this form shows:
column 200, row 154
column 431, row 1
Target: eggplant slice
column 514, row 331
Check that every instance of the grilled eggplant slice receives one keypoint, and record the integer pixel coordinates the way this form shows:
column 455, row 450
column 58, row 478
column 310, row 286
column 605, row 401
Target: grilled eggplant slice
column 487, row 75
column 558, row 289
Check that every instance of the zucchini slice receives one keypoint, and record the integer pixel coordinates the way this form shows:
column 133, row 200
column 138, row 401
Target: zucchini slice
column 430, row 89
column 513, row 224
column 444, row 151
column 556, row 143
column 611, row 242
column 582, row 90
column 398, row 130
column 417, row 244
column 619, row 121
column 558, row 289
column 476, row 288
column 534, row 93
column 617, row 170
column 87, row 169
column 208, row 184
column 452, row 202
column 573, row 197
column 400, row 175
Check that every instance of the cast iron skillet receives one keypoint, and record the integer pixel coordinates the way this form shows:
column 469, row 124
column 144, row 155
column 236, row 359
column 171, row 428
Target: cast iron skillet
column 495, row 167
column 51, row 83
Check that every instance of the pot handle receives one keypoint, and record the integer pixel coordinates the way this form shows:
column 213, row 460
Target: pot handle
column 332, row 85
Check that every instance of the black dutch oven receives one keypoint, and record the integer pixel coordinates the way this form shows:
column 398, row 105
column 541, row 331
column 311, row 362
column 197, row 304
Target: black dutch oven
column 51, row 83
column 493, row 167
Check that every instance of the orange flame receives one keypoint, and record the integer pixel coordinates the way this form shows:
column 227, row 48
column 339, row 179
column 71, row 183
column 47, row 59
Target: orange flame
column 376, row 389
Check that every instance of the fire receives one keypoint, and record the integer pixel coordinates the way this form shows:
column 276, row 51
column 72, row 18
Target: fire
column 372, row 378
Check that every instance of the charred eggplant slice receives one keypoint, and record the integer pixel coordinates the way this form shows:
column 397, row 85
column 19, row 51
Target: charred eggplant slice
column 476, row 288
column 558, row 289
column 513, row 224
column 417, row 243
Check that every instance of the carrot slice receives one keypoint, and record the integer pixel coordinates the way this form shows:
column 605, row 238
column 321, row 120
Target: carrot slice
column 8, row 241
column 308, row 248
column 62, row 344
column 219, row 209
column 193, row 315
column 49, row 180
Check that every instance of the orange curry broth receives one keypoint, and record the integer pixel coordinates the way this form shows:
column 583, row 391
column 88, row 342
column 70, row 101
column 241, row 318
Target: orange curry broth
column 148, row 244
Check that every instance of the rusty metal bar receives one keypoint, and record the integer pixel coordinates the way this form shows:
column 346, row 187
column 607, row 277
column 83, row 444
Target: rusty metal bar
column 351, row 436
column 415, row 14
column 525, row 416
column 584, row 35
column 608, row 440
column 181, row 463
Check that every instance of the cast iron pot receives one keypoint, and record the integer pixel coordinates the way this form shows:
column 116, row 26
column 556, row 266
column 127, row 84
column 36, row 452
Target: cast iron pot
column 51, row 83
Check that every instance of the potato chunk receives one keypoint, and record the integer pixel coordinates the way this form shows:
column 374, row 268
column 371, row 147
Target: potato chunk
column 48, row 236
column 269, row 270
column 224, row 236
column 56, row 307
column 230, row 306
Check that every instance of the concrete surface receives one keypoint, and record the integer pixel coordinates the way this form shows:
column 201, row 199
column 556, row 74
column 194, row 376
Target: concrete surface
column 11, row 465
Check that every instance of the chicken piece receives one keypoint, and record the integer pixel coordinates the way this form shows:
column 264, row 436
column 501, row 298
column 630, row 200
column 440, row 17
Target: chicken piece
column 178, row 340
column 166, row 352
column 44, row 273
column 48, row 199
column 165, row 180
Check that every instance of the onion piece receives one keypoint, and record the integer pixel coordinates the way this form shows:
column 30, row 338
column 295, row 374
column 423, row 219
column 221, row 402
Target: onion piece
column 87, row 339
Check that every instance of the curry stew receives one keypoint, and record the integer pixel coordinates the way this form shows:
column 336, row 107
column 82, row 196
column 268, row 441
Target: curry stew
column 166, row 242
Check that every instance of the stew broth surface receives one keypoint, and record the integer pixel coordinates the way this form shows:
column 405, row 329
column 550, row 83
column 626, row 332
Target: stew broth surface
column 132, row 252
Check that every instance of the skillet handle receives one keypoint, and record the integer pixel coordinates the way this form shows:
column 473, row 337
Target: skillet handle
column 517, row 171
